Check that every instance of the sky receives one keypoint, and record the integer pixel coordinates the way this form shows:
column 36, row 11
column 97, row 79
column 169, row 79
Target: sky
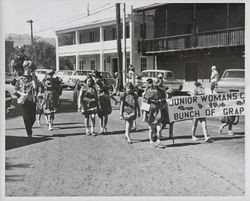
column 47, row 14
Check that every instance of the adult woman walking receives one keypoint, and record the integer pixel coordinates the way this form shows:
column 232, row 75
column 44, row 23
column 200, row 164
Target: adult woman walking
column 25, row 90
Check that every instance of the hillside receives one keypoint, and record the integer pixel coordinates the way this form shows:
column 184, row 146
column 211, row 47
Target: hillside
column 24, row 39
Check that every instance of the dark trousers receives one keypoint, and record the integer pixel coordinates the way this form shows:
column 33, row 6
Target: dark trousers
column 29, row 115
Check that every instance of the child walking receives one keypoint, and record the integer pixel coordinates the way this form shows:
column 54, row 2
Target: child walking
column 49, row 103
column 88, row 105
column 129, row 109
column 229, row 121
column 105, row 107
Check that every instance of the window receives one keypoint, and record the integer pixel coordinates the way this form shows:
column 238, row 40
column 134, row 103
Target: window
column 113, row 33
column 92, row 64
column 81, row 64
column 92, row 36
column 143, row 31
column 143, row 64
column 127, row 31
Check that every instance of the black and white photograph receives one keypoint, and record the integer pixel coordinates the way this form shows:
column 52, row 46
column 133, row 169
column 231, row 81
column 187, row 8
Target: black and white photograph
column 124, row 100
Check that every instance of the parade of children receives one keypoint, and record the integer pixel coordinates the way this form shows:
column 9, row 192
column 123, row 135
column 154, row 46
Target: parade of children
column 94, row 102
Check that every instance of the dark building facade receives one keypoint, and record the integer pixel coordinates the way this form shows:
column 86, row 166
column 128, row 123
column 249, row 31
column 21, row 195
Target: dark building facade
column 190, row 38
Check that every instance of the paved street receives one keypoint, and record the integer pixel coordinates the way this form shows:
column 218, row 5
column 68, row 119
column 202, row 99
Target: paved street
column 66, row 162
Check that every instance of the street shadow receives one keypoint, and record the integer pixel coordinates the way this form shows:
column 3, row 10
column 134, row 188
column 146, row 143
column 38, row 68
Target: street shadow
column 70, row 127
column 11, row 166
column 123, row 131
column 67, row 135
column 183, row 144
column 67, row 123
column 227, row 138
column 13, row 142
column 14, row 178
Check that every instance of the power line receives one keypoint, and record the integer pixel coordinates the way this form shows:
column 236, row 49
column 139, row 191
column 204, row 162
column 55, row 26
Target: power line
column 76, row 18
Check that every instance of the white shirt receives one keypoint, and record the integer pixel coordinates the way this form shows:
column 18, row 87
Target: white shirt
column 214, row 76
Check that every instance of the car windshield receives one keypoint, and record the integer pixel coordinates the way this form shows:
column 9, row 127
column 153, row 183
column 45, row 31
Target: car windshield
column 234, row 74
column 106, row 75
column 41, row 72
column 81, row 73
column 150, row 74
column 169, row 75
column 60, row 73
column 68, row 73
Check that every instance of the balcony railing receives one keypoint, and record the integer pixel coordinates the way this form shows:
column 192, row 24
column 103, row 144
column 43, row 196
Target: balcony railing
column 218, row 38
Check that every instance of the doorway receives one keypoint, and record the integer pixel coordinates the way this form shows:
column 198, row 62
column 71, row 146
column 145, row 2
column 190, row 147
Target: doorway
column 191, row 71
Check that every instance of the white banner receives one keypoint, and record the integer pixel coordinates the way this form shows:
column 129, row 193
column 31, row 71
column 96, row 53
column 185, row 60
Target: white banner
column 221, row 104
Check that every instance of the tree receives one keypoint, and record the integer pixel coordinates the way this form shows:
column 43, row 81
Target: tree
column 42, row 54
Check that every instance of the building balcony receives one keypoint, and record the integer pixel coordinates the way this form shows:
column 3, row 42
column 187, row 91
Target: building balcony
column 208, row 39
column 92, row 48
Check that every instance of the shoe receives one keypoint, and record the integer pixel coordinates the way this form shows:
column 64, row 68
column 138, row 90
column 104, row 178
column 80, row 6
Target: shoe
column 29, row 133
column 50, row 128
column 102, row 131
column 159, row 145
column 105, row 131
column 195, row 138
column 152, row 144
column 230, row 133
column 207, row 139
column 93, row 134
column 219, row 131
column 133, row 129
column 129, row 141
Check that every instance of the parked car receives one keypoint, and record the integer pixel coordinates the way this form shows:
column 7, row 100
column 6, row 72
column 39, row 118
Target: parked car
column 40, row 73
column 79, row 75
column 65, row 75
column 169, row 80
column 232, row 80
column 9, row 78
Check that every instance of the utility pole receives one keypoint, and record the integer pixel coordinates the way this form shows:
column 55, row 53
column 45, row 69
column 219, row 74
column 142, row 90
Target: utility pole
column 119, row 49
column 88, row 9
column 124, row 69
column 31, row 27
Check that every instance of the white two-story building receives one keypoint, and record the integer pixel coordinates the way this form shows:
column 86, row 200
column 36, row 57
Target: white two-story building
column 90, row 42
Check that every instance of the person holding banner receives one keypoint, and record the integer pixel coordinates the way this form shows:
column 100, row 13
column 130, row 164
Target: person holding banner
column 199, row 90
column 228, row 121
column 155, row 97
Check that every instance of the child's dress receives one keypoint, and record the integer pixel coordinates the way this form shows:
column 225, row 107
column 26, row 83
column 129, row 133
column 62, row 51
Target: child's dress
column 89, row 100
column 105, row 107
column 130, row 105
column 50, row 101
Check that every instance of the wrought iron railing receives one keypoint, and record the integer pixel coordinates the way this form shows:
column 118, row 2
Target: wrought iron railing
column 225, row 37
